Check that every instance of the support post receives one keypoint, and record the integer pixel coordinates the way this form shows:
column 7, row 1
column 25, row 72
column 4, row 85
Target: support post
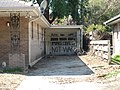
column 109, row 53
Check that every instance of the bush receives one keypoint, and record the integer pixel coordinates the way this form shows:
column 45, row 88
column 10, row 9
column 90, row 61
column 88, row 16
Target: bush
column 117, row 58
column 96, row 27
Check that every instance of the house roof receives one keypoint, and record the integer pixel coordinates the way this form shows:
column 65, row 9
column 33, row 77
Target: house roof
column 24, row 8
column 17, row 6
column 13, row 3
column 113, row 20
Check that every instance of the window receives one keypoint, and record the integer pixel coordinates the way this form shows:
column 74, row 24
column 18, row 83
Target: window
column 71, row 38
column 54, row 39
column 62, row 34
column 38, row 31
column 62, row 39
column 42, row 38
column 54, row 35
column 71, row 34
column 32, row 30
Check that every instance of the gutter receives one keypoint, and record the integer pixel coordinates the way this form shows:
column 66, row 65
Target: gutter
column 112, row 20
column 45, row 21
column 9, row 9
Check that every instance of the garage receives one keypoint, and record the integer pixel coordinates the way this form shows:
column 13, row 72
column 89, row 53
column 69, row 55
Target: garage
column 63, row 40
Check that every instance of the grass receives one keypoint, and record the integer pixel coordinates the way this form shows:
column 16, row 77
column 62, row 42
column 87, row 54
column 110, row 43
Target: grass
column 116, row 59
column 117, row 62
column 13, row 70
column 112, row 74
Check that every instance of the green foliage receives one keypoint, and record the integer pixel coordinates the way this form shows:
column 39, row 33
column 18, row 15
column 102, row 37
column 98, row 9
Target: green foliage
column 112, row 74
column 90, row 28
column 96, row 27
column 116, row 59
column 58, row 8
column 13, row 70
column 73, row 6
column 102, row 10
column 84, row 12
column 101, row 28
column 61, row 8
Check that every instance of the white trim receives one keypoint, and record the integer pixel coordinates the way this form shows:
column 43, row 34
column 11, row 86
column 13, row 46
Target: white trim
column 45, row 21
column 21, row 9
column 29, row 42
column 112, row 20
column 65, row 26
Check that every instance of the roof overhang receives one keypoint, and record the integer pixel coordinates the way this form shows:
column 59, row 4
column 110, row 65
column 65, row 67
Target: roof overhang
column 43, row 21
column 4, row 12
column 113, row 20
column 26, row 10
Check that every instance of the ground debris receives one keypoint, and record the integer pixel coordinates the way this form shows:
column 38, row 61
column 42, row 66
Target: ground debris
column 10, row 81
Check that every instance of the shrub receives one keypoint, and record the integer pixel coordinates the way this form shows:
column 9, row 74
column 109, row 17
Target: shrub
column 96, row 27
column 116, row 58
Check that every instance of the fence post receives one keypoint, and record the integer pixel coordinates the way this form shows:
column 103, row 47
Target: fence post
column 109, row 53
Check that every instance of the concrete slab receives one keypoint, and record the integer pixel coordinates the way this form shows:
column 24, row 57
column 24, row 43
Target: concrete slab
column 43, row 83
column 60, row 65
column 60, row 73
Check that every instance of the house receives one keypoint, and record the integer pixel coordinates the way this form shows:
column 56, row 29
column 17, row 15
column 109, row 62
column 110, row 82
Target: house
column 115, row 24
column 26, row 36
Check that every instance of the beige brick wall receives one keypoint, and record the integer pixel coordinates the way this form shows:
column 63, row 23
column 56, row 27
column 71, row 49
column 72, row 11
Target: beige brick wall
column 36, row 44
column 4, row 40
column 5, row 43
column 24, row 38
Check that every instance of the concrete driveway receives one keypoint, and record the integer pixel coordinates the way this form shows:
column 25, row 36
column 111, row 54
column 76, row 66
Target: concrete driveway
column 60, row 65
column 61, row 73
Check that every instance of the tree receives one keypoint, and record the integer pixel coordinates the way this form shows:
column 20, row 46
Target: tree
column 102, row 10
column 73, row 6
column 85, row 12
column 61, row 8
column 58, row 9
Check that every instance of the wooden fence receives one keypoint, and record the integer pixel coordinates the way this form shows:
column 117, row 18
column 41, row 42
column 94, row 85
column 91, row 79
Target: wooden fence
column 101, row 48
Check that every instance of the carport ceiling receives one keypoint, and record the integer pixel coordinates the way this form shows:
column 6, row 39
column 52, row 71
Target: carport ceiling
column 66, row 26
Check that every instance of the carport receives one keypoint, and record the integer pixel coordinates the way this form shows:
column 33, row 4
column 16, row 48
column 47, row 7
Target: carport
column 63, row 40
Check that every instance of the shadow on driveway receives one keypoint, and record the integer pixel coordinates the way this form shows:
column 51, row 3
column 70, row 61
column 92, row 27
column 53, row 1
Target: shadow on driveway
column 60, row 66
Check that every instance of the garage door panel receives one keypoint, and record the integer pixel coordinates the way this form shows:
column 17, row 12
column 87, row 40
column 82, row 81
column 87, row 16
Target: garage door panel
column 62, row 44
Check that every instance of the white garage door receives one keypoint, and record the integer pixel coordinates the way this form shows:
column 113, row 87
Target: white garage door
column 62, row 44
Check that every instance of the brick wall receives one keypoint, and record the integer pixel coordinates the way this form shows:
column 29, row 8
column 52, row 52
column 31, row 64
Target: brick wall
column 24, row 38
column 5, row 42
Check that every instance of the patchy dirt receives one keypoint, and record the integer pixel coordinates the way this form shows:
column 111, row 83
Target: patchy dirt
column 100, row 68
column 93, row 61
column 10, row 81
